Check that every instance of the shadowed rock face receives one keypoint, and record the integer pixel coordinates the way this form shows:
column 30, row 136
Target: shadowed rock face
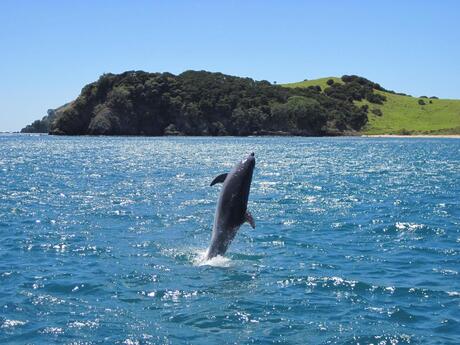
column 231, row 211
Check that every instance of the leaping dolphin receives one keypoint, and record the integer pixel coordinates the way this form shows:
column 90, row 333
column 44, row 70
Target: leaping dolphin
column 231, row 211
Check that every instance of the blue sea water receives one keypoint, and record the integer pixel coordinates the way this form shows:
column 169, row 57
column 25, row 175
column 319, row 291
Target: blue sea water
column 357, row 242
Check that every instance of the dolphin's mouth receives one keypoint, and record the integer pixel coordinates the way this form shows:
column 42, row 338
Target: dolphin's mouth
column 252, row 159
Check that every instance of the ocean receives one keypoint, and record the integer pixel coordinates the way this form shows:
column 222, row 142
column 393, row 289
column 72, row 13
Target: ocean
column 357, row 241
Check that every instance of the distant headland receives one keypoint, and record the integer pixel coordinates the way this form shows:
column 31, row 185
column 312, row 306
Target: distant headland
column 205, row 103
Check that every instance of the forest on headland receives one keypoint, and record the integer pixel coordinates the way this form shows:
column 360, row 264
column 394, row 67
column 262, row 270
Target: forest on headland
column 206, row 103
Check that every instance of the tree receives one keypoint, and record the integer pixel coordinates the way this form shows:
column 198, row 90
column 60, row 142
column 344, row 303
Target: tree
column 104, row 122
column 119, row 98
column 376, row 98
column 248, row 121
column 376, row 111
column 301, row 113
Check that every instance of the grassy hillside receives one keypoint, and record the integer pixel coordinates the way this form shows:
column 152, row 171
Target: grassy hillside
column 404, row 114
column 321, row 82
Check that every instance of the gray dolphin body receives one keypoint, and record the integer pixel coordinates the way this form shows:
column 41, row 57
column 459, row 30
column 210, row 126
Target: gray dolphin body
column 231, row 211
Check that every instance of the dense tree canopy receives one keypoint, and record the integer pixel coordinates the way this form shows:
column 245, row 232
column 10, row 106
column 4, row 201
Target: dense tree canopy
column 205, row 103
column 356, row 88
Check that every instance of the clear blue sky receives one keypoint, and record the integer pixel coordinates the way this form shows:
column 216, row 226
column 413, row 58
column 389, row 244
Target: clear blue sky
column 50, row 49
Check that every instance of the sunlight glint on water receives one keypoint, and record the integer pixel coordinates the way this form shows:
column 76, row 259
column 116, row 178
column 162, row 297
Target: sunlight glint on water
column 103, row 241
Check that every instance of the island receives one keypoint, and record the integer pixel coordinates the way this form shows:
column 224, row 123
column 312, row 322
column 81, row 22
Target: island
column 214, row 104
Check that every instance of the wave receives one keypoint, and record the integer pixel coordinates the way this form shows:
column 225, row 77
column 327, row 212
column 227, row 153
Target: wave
column 381, row 339
column 12, row 323
column 335, row 283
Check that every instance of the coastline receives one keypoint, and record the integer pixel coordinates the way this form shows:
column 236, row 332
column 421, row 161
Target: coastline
column 271, row 134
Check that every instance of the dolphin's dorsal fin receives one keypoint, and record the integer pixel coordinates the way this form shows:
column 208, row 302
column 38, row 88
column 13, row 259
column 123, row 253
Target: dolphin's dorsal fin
column 248, row 217
column 219, row 179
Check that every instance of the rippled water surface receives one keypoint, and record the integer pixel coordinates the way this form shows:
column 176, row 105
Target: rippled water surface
column 357, row 241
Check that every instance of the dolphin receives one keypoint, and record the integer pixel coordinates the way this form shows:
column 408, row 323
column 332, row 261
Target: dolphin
column 231, row 210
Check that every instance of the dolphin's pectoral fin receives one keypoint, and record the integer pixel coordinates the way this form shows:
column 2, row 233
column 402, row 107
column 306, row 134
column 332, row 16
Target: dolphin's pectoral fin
column 248, row 217
column 219, row 179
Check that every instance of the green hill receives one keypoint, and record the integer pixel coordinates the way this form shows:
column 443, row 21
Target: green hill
column 403, row 114
column 201, row 103
column 205, row 103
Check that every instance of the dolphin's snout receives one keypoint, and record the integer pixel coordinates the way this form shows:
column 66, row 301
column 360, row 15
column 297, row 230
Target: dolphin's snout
column 251, row 160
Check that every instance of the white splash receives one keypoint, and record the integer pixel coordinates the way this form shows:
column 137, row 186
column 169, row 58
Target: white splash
column 401, row 226
column 217, row 261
